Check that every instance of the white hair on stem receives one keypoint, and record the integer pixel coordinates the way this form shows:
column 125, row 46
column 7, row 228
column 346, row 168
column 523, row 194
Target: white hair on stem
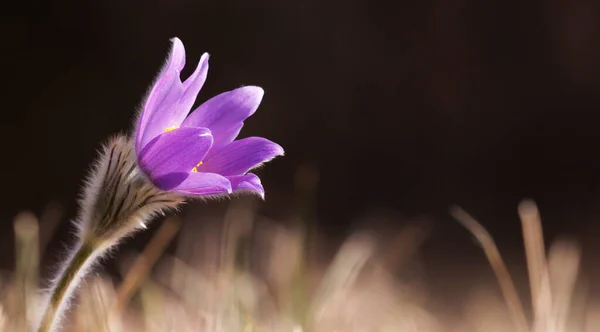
column 117, row 200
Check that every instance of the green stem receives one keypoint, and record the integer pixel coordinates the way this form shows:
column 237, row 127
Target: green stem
column 65, row 285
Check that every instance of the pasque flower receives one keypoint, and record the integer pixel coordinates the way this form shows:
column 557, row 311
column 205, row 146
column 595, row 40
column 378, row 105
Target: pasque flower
column 171, row 156
column 197, row 154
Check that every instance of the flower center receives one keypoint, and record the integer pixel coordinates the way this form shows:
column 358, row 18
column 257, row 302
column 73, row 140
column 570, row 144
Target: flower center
column 171, row 128
column 195, row 169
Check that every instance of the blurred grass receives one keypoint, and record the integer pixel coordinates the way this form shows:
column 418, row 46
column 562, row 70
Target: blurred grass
column 253, row 274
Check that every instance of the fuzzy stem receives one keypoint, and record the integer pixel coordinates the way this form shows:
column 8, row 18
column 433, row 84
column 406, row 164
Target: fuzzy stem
column 65, row 285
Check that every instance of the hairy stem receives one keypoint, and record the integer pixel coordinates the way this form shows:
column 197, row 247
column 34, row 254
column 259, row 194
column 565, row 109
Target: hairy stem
column 64, row 286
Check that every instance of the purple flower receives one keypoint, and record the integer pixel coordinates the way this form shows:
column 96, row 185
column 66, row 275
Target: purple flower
column 198, row 154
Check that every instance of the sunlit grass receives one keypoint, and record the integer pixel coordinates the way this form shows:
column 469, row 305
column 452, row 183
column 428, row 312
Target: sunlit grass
column 253, row 274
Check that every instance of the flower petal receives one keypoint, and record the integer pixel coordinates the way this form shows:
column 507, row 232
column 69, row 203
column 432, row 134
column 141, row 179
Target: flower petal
column 198, row 183
column 169, row 181
column 176, row 151
column 192, row 87
column 165, row 91
column 224, row 114
column 177, row 97
column 247, row 182
column 240, row 156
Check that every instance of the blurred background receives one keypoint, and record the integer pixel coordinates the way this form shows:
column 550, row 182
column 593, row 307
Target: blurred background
column 402, row 109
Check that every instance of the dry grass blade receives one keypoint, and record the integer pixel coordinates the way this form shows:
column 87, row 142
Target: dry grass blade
column 342, row 273
column 537, row 266
column 26, row 276
column 145, row 261
column 535, row 251
column 563, row 267
column 542, row 305
column 94, row 307
column 497, row 263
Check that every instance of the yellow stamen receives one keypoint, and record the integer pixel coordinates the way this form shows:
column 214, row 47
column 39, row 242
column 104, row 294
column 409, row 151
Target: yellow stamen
column 171, row 128
column 195, row 169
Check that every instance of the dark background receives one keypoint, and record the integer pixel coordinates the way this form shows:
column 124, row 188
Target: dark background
column 412, row 106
